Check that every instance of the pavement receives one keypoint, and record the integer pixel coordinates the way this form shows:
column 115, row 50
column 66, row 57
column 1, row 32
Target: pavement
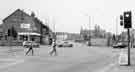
column 125, row 68
column 117, row 67
column 80, row 58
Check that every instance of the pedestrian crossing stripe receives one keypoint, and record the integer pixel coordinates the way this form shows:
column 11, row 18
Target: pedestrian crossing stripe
column 13, row 62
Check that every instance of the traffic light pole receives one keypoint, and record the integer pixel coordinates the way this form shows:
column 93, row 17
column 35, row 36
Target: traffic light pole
column 126, row 21
column 128, row 46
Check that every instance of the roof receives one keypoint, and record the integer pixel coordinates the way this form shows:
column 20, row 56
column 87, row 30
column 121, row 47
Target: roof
column 41, row 23
column 14, row 13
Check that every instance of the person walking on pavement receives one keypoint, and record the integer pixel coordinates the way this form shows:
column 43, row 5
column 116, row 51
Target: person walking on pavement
column 30, row 49
column 53, row 48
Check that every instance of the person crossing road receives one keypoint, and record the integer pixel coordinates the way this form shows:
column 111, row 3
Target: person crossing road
column 30, row 49
column 53, row 48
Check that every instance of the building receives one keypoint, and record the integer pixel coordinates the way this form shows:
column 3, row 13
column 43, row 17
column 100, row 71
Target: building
column 86, row 34
column 97, row 37
column 61, row 35
column 68, row 36
column 28, row 27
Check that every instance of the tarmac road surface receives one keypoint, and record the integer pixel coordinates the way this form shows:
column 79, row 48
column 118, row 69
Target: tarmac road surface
column 80, row 58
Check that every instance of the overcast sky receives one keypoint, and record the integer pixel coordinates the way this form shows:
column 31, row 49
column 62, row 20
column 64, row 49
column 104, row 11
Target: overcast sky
column 70, row 15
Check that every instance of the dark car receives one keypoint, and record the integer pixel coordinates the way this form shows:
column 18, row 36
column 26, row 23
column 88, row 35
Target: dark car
column 119, row 45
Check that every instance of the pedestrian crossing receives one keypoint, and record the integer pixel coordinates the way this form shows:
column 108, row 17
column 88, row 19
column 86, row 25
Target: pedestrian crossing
column 7, row 62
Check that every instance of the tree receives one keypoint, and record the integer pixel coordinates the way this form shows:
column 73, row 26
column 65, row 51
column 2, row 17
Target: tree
column 97, row 30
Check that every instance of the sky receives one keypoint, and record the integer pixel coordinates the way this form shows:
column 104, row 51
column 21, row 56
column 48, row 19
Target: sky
column 71, row 15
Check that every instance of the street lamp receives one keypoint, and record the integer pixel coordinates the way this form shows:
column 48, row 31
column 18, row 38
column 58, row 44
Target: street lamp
column 89, row 42
column 90, row 32
column 89, row 17
column 54, row 29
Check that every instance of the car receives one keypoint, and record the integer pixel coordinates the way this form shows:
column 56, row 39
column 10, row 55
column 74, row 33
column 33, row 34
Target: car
column 119, row 45
column 64, row 44
column 133, row 45
column 26, row 44
column 88, row 43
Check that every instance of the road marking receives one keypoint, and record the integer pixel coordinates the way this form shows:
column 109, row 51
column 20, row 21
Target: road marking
column 15, row 61
column 111, row 65
column 105, row 69
column 108, row 67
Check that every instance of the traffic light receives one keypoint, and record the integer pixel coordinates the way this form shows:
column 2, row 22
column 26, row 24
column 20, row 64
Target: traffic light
column 127, row 19
column 121, row 20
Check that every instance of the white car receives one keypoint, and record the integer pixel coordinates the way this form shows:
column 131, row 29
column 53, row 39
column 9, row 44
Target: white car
column 28, row 43
column 64, row 44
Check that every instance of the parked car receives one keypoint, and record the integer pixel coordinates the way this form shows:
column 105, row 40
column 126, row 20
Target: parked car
column 28, row 43
column 120, row 45
column 88, row 43
column 133, row 45
column 64, row 44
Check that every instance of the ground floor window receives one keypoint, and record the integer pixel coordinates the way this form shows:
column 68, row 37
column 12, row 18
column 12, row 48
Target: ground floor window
column 31, row 38
column 23, row 37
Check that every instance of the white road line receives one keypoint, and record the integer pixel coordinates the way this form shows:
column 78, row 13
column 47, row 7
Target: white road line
column 108, row 67
column 10, row 64
column 105, row 69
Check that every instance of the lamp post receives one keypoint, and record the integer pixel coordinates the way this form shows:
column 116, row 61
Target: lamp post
column 54, row 29
column 89, row 24
column 89, row 32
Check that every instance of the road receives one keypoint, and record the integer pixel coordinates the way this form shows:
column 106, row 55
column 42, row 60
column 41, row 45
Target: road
column 80, row 58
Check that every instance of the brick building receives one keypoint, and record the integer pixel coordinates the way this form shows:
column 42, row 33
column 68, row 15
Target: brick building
column 28, row 27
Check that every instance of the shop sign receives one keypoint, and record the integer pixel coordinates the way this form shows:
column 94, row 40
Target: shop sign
column 24, row 25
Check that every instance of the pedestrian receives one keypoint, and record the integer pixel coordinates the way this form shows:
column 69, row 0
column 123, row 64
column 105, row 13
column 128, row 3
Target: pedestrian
column 30, row 49
column 53, row 48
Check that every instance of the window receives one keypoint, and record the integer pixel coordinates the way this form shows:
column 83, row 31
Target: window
column 23, row 25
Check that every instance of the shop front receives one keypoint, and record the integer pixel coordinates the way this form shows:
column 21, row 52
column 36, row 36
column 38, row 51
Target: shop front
column 29, row 36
